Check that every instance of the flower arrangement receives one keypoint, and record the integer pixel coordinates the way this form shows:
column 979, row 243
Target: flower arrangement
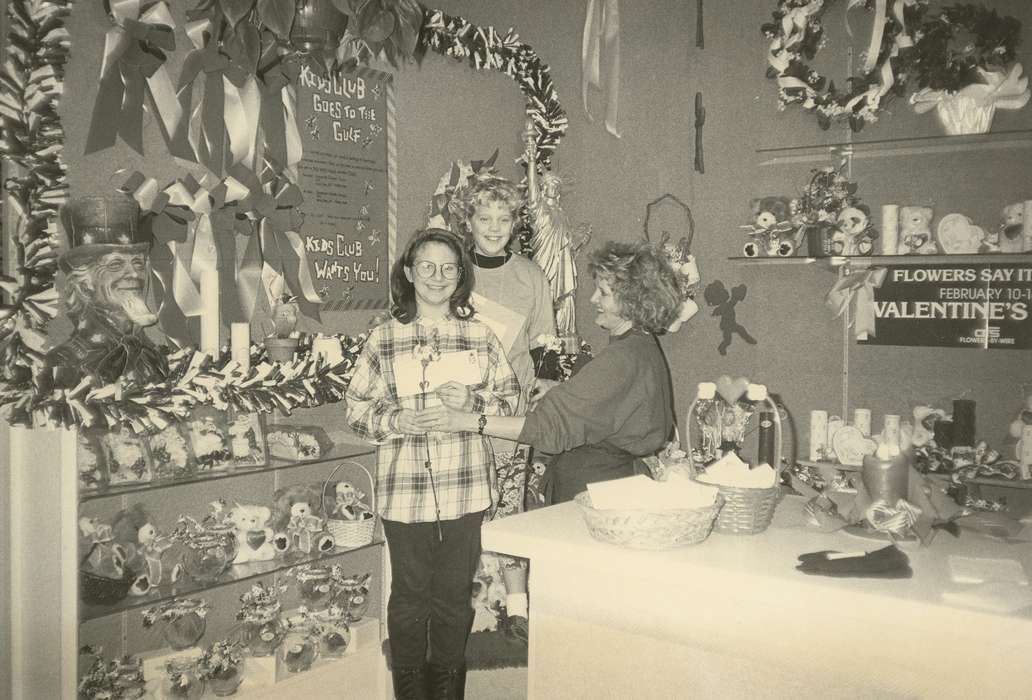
column 174, row 609
column 351, row 593
column 220, row 660
column 959, row 47
column 118, row 679
column 830, row 208
column 555, row 360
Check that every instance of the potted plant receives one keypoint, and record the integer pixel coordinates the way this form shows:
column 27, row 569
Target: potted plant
column 281, row 344
column 184, row 620
column 221, row 667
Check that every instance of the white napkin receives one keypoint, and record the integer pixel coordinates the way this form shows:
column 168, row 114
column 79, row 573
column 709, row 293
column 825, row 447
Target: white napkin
column 642, row 493
column 729, row 470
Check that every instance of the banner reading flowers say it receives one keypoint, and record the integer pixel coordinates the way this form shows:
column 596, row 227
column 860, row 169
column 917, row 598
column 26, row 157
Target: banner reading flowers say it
column 979, row 305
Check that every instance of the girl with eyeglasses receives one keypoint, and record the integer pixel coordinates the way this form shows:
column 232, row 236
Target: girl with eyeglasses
column 432, row 489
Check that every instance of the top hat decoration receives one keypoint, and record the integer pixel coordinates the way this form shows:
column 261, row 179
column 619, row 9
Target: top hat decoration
column 99, row 225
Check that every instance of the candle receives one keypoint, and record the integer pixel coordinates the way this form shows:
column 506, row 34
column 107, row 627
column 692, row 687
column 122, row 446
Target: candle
column 1025, row 452
column 210, row 312
column 964, row 423
column 862, row 421
column 890, row 229
column 818, row 434
column 834, row 425
column 886, row 475
column 1026, row 225
column 328, row 348
column 240, row 344
column 890, row 429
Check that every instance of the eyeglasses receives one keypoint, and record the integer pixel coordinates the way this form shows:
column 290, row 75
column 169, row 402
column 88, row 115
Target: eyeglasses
column 426, row 270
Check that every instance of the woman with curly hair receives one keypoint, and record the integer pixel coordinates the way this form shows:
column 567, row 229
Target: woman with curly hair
column 619, row 406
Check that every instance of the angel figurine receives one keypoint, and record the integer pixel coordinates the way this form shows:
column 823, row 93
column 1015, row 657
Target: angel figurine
column 552, row 245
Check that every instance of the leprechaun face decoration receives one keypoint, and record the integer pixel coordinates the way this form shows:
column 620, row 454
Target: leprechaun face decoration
column 106, row 279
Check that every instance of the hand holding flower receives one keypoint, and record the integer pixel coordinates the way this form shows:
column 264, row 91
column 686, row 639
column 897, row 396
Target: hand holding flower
column 414, row 422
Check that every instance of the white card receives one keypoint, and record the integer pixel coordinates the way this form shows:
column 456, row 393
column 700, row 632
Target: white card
column 461, row 367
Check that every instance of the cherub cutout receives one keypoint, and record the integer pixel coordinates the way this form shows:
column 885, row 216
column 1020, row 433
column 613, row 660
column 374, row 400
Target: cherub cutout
column 723, row 303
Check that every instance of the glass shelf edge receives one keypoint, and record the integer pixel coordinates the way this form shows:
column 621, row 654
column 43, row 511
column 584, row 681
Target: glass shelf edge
column 839, row 260
column 275, row 464
column 88, row 612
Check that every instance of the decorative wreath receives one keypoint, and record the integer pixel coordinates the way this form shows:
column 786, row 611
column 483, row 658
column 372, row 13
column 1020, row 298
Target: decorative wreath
column 906, row 44
column 31, row 137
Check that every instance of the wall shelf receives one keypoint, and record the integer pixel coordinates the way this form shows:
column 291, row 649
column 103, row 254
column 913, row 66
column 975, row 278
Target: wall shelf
column 236, row 573
column 831, row 153
column 339, row 452
column 875, row 260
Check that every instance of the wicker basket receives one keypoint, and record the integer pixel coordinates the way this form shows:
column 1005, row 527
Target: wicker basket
column 644, row 529
column 351, row 533
column 746, row 511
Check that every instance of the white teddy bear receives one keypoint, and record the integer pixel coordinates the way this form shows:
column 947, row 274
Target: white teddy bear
column 253, row 535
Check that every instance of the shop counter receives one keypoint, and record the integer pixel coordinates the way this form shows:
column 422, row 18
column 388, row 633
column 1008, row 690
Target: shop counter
column 732, row 617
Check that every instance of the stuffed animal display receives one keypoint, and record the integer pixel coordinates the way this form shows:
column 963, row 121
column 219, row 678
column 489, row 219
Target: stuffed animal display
column 771, row 232
column 298, row 522
column 253, row 534
column 915, row 231
column 1012, row 230
column 349, row 502
column 854, row 234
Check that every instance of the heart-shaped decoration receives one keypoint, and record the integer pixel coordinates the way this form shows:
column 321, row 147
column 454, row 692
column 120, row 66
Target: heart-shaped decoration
column 255, row 539
column 732, row 389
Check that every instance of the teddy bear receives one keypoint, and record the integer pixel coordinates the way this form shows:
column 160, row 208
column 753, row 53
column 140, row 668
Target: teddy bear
column 1012, row 230
column 154, row 558
column 771, row 230
column 915, row 231
column 254, row 537
column 853, row 234
column 925, row 418
column 298, row 521
column 349, row 502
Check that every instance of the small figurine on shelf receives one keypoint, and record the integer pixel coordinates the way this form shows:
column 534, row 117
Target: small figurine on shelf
column 915, row 231
column 245, row 440
column 281, row 344
column 184, row 620
column 771, row 231
column 118, row 679
column 854, row 234
column 220, row 666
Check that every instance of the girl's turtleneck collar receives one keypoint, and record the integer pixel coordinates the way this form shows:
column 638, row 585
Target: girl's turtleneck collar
column 489, row 262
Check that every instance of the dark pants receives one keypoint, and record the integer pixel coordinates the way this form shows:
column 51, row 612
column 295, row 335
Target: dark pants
column 431, row 581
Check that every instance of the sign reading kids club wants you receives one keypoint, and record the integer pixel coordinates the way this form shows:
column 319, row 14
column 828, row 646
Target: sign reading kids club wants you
column 344, row 177
column 984, row 305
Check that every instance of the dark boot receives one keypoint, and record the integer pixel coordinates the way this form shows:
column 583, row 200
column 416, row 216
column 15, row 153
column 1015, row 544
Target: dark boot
column 409, row 682
column 447, row 683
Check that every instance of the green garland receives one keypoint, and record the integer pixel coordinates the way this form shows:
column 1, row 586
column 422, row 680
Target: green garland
column 32, row 138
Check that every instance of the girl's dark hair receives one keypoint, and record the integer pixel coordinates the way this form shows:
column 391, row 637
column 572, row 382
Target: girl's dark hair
column 403, row 292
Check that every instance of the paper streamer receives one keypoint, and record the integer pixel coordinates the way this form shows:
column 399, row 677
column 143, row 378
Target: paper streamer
column 602, row 34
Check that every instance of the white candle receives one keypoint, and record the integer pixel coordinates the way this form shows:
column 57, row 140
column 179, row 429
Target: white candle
column 818, row 434
column 890, row 430
column 890, row 229
column 834, row 425
column 210, row 312
column 1026, row 225
column 240, row 344
column 862, row 421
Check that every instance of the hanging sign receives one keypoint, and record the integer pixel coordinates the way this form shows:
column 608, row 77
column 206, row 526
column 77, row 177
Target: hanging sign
column 979, row 305
column 347, row 177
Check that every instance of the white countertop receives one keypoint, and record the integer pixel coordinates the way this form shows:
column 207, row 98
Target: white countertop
column 733, row 589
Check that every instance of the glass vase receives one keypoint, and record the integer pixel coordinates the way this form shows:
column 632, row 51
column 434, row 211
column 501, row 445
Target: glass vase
column 335, row 638
column 356, row 604
column 182, row 682
column 314, row 588
column 226, row 683
column 299, row 651
column 263, row 637
column 208, row 556
column 184, row 631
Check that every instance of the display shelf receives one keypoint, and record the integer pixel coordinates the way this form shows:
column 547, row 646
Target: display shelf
column 986, row 481
column 236, row 573
column 832, row 465
column 345, row 451
column 889, row 148
column 876, row 260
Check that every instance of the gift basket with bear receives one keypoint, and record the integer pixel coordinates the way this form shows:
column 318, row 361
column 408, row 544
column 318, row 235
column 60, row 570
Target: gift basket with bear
column 349, row 519
column 717, row 424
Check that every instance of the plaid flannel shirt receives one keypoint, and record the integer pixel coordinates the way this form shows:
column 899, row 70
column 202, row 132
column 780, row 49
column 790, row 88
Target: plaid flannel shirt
column 460, row 461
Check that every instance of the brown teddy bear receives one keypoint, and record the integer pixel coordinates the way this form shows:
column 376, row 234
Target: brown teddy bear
column 298, row 520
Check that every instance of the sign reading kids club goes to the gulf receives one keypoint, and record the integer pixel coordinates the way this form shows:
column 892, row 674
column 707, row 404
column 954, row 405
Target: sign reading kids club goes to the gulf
column 346, row 175
column 979, row 305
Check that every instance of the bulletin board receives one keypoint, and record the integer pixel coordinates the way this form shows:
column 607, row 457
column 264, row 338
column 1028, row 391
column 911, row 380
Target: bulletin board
column 347, row 176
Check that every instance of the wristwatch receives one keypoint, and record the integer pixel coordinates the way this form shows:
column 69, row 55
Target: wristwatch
column 481, row 423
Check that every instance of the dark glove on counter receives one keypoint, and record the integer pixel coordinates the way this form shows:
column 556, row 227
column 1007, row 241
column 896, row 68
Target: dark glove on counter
column 888, row 562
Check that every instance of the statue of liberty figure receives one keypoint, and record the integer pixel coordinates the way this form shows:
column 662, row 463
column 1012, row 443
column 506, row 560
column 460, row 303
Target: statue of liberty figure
column 552, row 246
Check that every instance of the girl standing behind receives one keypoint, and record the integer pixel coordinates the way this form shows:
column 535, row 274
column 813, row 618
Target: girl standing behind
column 432, row 489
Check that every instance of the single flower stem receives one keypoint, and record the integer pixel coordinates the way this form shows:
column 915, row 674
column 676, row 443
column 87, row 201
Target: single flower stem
column 433, row 490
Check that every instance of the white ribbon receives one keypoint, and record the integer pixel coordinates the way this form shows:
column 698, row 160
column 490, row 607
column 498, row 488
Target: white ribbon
column 602, row 30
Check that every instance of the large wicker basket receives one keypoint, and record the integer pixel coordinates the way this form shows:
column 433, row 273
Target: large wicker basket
column 645, row 529
column 351, row 533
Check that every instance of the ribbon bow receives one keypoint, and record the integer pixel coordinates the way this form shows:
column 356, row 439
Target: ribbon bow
column 129, row 354
column 602, row 31
column 859, row 286
column 277, row 75
column 134, row 63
